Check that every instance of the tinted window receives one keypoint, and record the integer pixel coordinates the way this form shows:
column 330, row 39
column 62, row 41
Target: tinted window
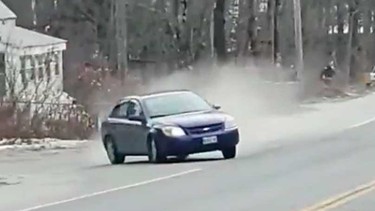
column 134, row 109
column 176, row 103
column 120, row 111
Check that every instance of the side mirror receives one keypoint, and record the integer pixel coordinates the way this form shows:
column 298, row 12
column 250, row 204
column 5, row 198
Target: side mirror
column 137, row 118
column 216, row 107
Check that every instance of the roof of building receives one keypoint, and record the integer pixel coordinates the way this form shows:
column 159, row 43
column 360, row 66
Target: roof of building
column 21, row 37
column 5, row 12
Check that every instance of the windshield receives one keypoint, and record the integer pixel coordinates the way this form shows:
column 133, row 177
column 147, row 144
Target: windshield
column 176, row 103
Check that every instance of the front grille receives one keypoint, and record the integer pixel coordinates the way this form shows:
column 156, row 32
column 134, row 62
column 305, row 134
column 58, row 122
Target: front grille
column 205, row 129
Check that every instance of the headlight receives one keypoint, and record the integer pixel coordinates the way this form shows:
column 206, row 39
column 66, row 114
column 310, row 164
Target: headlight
column 173, row 131
column 230, row 124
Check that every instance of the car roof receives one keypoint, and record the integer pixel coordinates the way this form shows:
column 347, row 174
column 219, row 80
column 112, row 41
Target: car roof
column 153, row 94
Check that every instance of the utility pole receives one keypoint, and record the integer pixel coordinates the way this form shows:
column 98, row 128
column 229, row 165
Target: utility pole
column 212, row 34
column 299, row 64
column 274, row 5
column 121, row 38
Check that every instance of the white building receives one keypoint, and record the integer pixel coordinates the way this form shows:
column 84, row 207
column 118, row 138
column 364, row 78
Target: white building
column 31, row 63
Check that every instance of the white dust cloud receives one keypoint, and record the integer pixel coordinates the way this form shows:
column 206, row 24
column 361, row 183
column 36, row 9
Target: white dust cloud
column 241, row 92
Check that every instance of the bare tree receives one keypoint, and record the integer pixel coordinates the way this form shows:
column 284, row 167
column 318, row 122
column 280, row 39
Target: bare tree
column 220, row 42
column 243, row 31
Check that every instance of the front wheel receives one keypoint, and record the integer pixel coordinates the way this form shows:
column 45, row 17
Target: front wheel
column 154, row 154
column 229, row 153
column 113, row 155
column 182, row 157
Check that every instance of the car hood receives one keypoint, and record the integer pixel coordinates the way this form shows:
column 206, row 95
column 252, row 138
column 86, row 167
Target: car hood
column 195, row 119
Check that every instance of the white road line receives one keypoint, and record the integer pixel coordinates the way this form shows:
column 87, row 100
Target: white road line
column 90, row 195
column 362, row 123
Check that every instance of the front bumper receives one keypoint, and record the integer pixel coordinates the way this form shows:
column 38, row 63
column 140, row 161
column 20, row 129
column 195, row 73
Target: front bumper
column 194, row 143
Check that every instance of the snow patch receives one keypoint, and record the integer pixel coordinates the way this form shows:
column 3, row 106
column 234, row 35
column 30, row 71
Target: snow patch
column 10, row 180
column 39, row 144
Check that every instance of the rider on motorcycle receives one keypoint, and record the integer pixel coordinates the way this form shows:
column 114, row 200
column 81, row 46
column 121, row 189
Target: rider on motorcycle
column 328, row 73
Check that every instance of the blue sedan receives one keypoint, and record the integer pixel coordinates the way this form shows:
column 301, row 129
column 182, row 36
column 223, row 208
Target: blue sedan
column 170, row 123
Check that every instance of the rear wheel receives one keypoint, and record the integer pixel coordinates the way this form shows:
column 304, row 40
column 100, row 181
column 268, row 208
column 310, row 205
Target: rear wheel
column 113, row 155
column 229, row 153
column 154, row 154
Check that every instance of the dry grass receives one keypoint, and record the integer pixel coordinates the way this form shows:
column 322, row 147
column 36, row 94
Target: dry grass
column 18, row 122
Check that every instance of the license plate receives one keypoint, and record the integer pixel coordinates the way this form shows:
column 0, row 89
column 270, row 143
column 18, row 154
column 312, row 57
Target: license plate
column 209, row 140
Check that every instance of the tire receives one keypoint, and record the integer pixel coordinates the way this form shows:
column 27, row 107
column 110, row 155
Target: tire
column 154, row 153
column 113, row 155
column 229, row 153
column 182, row 157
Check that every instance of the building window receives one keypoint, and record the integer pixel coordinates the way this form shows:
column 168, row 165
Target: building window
column 23, row 71
column 40, row 67
column 32, row 69
column 57, row 63
column 47, row 64
column 2, row 75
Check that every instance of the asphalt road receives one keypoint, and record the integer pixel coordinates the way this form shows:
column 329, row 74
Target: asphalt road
column 366, row 202
column 291, row 177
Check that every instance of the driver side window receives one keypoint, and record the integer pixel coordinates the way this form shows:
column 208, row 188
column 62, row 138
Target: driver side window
column 134, row 109
column 120, row 111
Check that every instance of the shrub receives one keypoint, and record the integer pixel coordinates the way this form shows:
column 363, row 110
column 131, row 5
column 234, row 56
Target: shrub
column 17, row 120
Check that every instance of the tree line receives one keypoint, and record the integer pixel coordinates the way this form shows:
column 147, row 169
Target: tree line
column 109, row 40
column 166, row 35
